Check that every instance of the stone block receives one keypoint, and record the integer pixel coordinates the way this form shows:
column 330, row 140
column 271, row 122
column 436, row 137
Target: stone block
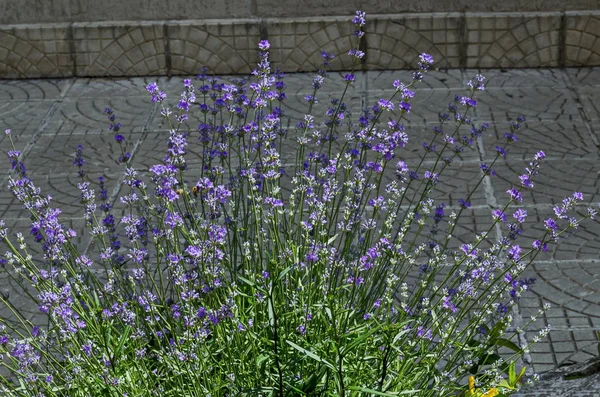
column 297, row 45
column 582, row 47
column 506, row 40
column 224, row 48
column 403, row 37
column 32, row 51
column 119, row 50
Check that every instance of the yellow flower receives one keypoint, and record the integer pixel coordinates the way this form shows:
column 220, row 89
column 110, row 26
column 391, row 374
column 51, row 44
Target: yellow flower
column 472, row 384
column 493, row 392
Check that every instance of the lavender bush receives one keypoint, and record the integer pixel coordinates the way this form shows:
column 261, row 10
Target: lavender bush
column 328, row 271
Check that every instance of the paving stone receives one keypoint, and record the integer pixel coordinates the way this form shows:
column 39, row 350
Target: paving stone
column 443, row 80
column 109, row 49
column 112, row 87
column 101, row 153
column 536, row 104
column 29, row 90
column 87, row 115
column 395, row 42
column 29, row 55
column 555, row 181
column 582, row 46
column 230, row 48
column 583, row 77
column 588, row 97
column 562, row 139
column 513, row 39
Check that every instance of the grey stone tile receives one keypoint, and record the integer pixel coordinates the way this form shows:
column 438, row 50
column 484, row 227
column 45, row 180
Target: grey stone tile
column 448, row 79
column 522, row 78
column 562, row 139
column 23, row 117
column 297, row 83
column 588, row 96
column 395, row 42
column 584, row 77
column 29, row 51
column 87, row 115
column 297, row 46
column 556, row 180
column 582, row 47
column 506, row 40
column 30, row 89
column 101, row 153
column 226, row 47
column 112, row 87
column 108, row 49
column 537, row 103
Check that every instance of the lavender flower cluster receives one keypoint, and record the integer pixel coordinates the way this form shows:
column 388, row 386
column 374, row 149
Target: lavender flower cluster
column 325, row 270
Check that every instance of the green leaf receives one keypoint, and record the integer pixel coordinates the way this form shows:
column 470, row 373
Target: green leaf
column 512, row 376
column 124, row 338
column 284, row 272
column 520, row 376
column 332, row 239
column 400, row 335
column 244, row 279
column 380, row 393
column 310, row 385
column 359, row 340
column 508, row 344
column 310, row 354
column 489, row 359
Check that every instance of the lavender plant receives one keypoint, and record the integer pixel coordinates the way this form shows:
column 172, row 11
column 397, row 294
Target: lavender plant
column 327, row 270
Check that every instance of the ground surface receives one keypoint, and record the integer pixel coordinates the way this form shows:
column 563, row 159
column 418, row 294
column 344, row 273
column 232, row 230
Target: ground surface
column 49, row 118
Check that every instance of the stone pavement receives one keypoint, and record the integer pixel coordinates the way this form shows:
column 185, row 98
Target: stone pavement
column 49, row 118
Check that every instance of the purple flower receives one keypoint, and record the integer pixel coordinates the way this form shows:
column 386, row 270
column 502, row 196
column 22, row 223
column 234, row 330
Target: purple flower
column 487, row 170
column 157, row 95
column 499, row 215
column 385, row 104
column 264, row 45
column 501, row 151
column 526, row 180
column 79, row 162
column 515, row 194
column 404, row 106
column 447, row 304
column 360, row 18
column 520, row 215
column 550, row 224
column 537, row 244
column 510, row 137
column 514, row 252
column 426, row 59
column 356, row 53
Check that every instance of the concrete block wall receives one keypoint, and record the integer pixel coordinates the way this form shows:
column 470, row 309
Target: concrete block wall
column 229, row 46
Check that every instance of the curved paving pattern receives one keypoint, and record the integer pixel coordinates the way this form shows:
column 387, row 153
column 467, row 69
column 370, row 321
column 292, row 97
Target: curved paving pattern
column 582, row 44
column 392, row 41
column 228, row 47
column 29, row 51
column 397, row 43
column 117, row 50
column 51, row 117
column 513, row 41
